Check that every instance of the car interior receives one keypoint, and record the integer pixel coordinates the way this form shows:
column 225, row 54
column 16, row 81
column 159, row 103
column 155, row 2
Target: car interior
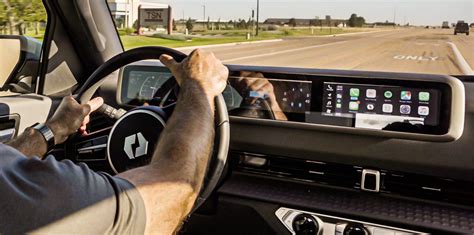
column 305, row 165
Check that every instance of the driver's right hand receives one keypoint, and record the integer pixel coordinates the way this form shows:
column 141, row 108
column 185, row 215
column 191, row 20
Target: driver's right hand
column 201, row 68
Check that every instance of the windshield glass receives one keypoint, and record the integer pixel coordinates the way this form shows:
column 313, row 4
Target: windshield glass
column 420, row 36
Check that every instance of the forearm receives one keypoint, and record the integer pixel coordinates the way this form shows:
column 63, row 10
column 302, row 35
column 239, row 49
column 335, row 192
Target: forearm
column 31, row 143
column 173, row 180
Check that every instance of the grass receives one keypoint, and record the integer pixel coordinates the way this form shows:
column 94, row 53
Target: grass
column 227, row 36
column 130, row 42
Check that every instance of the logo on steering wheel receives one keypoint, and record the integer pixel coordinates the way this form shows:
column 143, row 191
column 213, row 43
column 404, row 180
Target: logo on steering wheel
column 142, row 148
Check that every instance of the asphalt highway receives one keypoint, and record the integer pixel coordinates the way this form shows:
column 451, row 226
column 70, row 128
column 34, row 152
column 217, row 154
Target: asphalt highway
column 416, row 50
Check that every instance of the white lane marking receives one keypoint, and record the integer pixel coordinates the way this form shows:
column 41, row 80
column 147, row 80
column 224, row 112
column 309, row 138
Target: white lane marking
column 466, row 69
column 416, row 58
column 282, row 52
column 228, row 44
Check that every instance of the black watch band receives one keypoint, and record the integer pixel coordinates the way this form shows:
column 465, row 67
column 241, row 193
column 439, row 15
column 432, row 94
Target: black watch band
column 46, row 132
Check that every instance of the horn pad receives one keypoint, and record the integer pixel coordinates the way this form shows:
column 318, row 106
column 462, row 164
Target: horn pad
column 133, row 138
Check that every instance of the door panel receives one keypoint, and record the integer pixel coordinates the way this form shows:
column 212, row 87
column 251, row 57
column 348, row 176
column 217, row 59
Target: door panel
column 23, row 110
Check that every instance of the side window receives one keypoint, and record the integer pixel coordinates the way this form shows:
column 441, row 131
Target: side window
column 22, row 29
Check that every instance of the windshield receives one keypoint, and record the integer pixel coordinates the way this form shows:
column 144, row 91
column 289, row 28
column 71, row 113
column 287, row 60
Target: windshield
column 418, row 36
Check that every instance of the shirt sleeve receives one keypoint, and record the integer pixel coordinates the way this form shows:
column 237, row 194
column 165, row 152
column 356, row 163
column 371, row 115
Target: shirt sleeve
column 48, row 196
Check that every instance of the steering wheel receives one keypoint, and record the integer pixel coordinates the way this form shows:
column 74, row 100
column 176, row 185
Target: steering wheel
column 142, row 126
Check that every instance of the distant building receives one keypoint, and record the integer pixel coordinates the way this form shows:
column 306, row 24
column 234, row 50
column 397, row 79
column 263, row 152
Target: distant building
column 125, row 12
column 307, row 22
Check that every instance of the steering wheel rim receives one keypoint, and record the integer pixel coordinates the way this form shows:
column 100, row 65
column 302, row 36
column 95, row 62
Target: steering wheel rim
column 86, row 92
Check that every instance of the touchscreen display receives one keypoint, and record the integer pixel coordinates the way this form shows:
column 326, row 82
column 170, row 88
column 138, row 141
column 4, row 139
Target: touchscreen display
column 380, row 107
column 256, row 97
column 141, row 83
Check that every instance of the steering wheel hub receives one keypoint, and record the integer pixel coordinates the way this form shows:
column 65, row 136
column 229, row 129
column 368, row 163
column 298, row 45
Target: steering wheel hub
column 132, row 140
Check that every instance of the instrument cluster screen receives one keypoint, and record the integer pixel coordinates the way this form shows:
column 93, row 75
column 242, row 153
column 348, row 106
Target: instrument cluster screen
column 380, row 107
column 140, row 85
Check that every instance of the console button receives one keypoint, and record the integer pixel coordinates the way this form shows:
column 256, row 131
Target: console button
column 355, row 229
column 305, row 224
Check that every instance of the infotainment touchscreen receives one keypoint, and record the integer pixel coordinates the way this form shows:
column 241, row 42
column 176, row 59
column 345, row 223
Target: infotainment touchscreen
column 382, row 107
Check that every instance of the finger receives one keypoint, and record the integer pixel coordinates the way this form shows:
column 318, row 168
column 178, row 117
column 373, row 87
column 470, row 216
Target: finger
column 95, row 104
column 86, row 121
column 169, row 62
column 86, row 109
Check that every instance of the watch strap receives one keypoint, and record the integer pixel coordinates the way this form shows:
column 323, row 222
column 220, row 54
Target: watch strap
column 46, row 132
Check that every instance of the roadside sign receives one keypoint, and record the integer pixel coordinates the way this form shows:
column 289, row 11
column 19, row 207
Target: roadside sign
column 155, row 17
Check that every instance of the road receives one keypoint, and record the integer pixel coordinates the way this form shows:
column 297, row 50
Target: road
column 404, row 50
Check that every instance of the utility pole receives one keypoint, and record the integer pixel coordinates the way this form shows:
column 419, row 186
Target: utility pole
column 258, row 15
column 204, row 14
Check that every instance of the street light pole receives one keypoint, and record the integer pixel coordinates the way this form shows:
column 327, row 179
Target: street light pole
column 258, row 14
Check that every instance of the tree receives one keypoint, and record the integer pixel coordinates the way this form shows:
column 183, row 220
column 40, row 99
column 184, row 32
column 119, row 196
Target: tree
column 18, row 13
column 189, row 25
column 356, row 21
column 292, row 22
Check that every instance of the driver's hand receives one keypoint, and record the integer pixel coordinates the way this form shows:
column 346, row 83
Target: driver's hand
column 71, row 117
column 199, row 67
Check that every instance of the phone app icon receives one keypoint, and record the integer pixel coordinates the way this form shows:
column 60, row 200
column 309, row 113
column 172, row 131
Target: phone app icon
column 424, row 96
column 405, row 95
column 354, row 92
column 405, row 109
column 370, row 107
column 354, row 106
column 387, row 108
column 338, row 105
column 371, row 93
column 388, row 94
column 423, row 110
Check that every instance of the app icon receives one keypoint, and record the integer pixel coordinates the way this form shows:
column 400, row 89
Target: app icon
column 370, row 107
column 423, row 110
column 387, row 108
column 405, row 109
column 353, row 106
column 371, row 93
column 339, row 96
column 405, row 95
column 354, row 92
column 388, row 94
column 424, row 96
column 338, row 106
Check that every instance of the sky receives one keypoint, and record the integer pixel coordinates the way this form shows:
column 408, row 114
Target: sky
column 415, row 12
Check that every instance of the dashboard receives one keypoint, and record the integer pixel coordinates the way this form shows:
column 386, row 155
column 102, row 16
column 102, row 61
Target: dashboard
column 406, row 107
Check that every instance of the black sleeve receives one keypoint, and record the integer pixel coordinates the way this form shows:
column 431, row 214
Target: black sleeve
column 61, row 197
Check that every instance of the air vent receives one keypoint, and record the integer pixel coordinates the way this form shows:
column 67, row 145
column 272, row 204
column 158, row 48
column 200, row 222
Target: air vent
column 339, row 175
column 305, row 170
column 99, row 122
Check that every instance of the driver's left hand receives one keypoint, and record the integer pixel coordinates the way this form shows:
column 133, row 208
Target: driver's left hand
column 71, row 117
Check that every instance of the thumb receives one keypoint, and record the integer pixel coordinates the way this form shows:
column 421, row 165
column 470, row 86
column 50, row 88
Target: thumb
column 169, row 62
column 95, row 103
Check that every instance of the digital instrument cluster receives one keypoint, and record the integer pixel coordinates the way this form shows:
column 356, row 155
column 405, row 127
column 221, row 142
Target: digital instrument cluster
column 140, row 84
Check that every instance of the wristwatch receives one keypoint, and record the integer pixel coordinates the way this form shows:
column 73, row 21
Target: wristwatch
column 46, row 132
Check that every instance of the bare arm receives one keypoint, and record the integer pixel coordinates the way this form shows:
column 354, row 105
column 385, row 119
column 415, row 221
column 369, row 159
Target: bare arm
column 170, row 184
column 69, row 117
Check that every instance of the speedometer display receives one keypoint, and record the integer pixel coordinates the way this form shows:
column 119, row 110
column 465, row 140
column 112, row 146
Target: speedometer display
column 141, row 83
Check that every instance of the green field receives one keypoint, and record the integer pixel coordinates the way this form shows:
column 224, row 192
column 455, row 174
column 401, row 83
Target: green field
column 215, row 37
column 226, row 36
